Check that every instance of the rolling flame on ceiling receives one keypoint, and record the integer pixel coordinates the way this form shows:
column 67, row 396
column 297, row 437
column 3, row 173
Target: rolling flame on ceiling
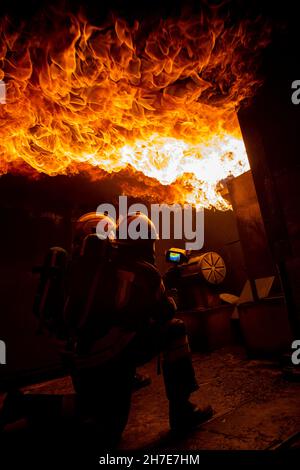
column 156, row 99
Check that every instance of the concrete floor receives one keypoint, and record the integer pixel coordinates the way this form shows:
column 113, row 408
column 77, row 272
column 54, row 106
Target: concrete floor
column 255, row 407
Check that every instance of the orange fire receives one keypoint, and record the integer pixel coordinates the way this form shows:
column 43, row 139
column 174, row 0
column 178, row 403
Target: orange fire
column 160, row 99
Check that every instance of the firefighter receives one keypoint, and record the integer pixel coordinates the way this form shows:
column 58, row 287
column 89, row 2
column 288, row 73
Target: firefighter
column 119, row 317
column 144, row 307
column 130, row 320
column 93, row 341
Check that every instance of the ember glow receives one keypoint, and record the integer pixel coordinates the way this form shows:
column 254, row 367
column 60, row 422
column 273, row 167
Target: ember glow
column 159, row 99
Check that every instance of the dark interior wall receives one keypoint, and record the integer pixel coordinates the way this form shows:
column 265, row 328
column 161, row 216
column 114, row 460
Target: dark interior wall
column 221, row 235
column 258, row 259
column 37, row 214
column 271, row 129
column 24, row 238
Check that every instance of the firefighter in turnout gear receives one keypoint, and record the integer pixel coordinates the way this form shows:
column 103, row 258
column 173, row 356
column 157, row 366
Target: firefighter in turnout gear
column 144, row 307
column 118, row 317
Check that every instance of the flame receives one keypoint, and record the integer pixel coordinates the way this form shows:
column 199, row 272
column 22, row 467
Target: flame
column 160, row 99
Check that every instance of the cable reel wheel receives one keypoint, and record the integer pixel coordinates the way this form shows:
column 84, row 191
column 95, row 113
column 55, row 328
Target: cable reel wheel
column 212, row 267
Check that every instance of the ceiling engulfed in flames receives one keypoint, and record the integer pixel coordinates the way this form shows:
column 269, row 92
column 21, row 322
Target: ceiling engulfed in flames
column 155, row 98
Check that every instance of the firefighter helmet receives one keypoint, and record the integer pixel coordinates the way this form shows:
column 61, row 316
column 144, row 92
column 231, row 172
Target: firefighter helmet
column 93, row 223
column 136, row 234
